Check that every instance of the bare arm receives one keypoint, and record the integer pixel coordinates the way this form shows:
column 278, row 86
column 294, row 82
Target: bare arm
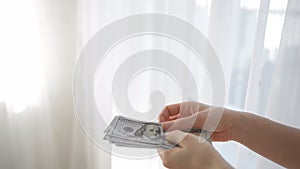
column 270, row 139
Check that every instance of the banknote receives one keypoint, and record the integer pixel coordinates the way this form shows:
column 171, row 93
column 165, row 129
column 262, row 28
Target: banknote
column 126, row 132
column 137, row 132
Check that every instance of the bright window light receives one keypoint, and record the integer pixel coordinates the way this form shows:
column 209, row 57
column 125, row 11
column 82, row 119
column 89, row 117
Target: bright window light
column 20, row 65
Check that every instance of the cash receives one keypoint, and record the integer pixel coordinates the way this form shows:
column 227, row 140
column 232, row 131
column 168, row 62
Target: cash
column 127, row 132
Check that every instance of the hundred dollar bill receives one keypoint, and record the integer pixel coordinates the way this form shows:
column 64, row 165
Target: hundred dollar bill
column 140, row 145
column 136, row 131
column 130, row 143
column 127, row 132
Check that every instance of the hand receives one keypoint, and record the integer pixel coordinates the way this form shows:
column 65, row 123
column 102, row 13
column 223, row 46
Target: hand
column 187, row 115
column 193, row 153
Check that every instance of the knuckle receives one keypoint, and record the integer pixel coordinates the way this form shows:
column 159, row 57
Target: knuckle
column 165, row 159
column 201, row 114
column 189, row 138
column 166, row 163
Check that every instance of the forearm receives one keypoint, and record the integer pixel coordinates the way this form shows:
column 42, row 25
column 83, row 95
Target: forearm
column 272, row 140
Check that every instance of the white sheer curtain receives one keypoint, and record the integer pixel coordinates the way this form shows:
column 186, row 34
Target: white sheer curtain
column 257, row 43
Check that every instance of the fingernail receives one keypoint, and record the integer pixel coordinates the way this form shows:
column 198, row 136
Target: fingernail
column 167, row 134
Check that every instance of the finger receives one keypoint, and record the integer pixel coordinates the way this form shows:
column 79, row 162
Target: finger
column 189, row 108
column 166, row 156
column 170, row 110
column 179, row 124
column 194, row 121
column 171, row 118
column 163, row 152
column 162, row 155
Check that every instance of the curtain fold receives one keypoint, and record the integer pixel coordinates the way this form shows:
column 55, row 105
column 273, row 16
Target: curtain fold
column 285, row 93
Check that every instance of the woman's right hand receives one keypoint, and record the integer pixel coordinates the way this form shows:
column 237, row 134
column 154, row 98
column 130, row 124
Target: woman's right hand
column 192, row 152
column 188, row 115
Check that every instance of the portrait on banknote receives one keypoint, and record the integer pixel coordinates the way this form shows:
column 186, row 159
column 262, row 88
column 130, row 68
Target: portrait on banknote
column 151, row 131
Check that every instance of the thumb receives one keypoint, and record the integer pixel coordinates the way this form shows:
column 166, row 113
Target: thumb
column 184, row 139
column 175, row 137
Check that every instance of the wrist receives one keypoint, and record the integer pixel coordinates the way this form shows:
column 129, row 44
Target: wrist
column 219, row 163
column 238, row 123
column 243, row 122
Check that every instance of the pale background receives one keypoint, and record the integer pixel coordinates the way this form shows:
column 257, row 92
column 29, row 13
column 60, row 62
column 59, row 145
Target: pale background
column 257, row 42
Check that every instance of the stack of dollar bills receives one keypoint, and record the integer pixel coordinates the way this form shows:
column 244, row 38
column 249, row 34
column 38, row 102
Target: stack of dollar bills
column 127, row 132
